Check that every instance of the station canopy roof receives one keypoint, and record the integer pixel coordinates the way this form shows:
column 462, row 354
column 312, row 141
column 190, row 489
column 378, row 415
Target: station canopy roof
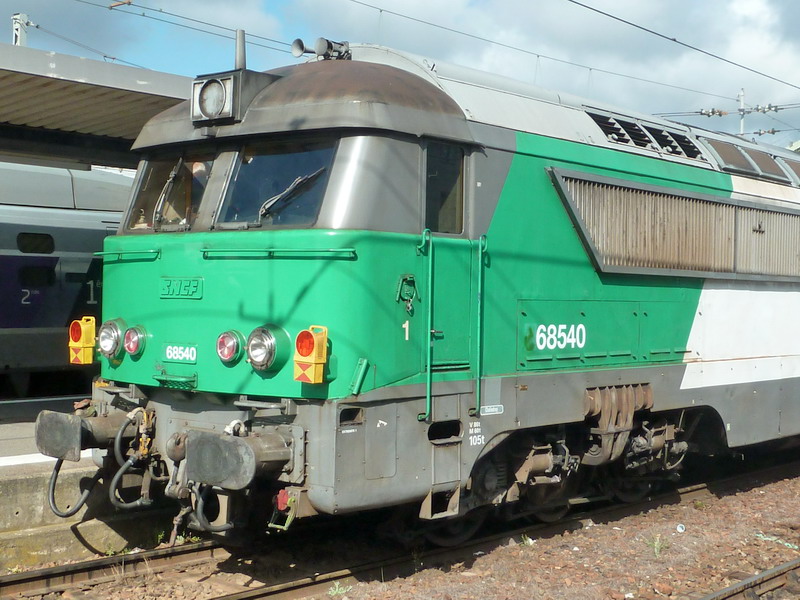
column 55, row 107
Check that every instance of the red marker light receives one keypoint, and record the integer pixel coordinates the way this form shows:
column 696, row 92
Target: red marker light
column 81, row 341
column 132, row 341
column 227, row 346
column 305, row 343
column 75, row 331
column 311, row 354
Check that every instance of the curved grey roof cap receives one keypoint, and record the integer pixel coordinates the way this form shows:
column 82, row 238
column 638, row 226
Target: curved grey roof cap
column 329, row 94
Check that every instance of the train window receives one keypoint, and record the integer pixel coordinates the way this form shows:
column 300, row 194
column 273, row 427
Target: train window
column 169, row 193
column 731, row 157
column 769, row 168
column 37, row 276
column 35, row 243
column 793, row 165
column 444, row 189
column 280, row 183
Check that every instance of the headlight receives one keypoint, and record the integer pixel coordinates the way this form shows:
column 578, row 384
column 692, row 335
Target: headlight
column 109, row 338
column 261, row 346
column 229, row 346
column 212, row 98
column 134, row 341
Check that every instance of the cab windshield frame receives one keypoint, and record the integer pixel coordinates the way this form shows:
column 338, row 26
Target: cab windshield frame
column 169, row 190
column 277, row 182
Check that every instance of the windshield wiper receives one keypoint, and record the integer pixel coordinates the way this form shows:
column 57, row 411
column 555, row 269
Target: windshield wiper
column 290, row 192
column 165, row 192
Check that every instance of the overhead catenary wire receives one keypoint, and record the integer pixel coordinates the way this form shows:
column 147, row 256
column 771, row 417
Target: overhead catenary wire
column 684, row 44
column 202, row 27
column 207, row 23
column 536, row 54
column 765, row 110
column 716, row 112
column 590, row 69
column 119, row 9
column 105, row 55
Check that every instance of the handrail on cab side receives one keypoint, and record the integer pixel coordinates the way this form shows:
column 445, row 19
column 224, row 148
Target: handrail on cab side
column 130, row 254
column 483, row 246
column 426, row 247
column 269, row 253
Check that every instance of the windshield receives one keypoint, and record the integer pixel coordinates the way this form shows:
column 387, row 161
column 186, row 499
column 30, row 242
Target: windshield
column 280, row 183
column 169, row 192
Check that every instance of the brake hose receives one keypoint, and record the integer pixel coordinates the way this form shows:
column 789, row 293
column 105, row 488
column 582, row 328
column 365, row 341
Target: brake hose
column 131, row 416
column 112, row 489
column 51, row 493
column 200, row 515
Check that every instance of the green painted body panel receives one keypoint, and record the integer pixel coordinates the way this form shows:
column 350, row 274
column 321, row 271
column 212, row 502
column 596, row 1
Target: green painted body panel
column 185, row 289
column 541, row 273
column 345, row 281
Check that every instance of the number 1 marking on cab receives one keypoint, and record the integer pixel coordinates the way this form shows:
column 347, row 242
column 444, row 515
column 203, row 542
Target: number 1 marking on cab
column 406, row 326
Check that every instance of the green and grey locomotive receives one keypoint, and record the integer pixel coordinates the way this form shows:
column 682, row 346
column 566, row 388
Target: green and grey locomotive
column 374, row 280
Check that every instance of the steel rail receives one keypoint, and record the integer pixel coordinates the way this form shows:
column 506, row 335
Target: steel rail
column 787, row 574
column 406, row 565
column 98, row 571
column 101, row 570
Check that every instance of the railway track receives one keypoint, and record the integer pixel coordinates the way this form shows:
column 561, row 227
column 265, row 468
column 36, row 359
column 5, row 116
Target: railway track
column 93, row 572
column 783, row 578
column 234, row 582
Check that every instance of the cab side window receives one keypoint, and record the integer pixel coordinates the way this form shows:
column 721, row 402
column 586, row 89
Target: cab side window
column 444, row 188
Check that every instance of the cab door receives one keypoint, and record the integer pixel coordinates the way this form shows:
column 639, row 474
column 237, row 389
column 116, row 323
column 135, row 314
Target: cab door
column 450, row 256
column 447, row 261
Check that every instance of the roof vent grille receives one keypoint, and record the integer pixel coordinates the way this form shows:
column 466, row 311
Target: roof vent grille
column 650, row 137
column 611, row 129
column 636, row 133
column 688, row 146
column 665, row 141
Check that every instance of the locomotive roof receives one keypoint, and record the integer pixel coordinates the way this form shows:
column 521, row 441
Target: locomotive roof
column 329, row 94
column 385, row 89
column 501, row 101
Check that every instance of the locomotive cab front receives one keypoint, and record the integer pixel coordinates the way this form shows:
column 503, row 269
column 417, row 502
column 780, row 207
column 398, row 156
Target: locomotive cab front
column 269, row 277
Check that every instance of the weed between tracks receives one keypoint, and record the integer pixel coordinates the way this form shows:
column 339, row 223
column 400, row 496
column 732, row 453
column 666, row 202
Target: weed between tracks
column 338, row 590
column 658, row 544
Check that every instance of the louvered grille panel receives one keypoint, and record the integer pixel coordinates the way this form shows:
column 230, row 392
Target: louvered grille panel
column 664, row 140
column 631, row 133
column 686, row 145
column 636, row 134
column 636, row 228
column 769, row 243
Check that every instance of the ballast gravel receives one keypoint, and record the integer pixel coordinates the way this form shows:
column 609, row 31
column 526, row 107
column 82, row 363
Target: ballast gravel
column 675, row 551
column 678, row 551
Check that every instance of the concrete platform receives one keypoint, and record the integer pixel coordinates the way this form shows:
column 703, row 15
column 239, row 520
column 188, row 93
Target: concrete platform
column 31, row 535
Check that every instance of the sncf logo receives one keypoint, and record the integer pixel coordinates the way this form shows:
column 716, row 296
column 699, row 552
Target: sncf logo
column 181, row 287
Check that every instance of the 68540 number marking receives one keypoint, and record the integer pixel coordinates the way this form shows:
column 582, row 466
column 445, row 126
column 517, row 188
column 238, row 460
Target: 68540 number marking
column 187, row 354
column 552, row 336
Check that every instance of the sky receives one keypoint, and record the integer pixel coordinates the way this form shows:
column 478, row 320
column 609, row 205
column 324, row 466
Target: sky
column 556, row 44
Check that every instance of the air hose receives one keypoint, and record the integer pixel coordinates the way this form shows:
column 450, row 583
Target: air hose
column 51, row 493
column 112, row 489
column 131, row 416
column 199, row 495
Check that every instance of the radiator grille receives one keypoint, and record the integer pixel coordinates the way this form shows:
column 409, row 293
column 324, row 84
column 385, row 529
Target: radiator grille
column 647, row 229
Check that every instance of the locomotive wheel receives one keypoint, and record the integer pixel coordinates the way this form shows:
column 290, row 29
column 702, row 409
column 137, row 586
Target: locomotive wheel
column 551, row 514
column 631, row 491
column 549, row 504
column 453, row 532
